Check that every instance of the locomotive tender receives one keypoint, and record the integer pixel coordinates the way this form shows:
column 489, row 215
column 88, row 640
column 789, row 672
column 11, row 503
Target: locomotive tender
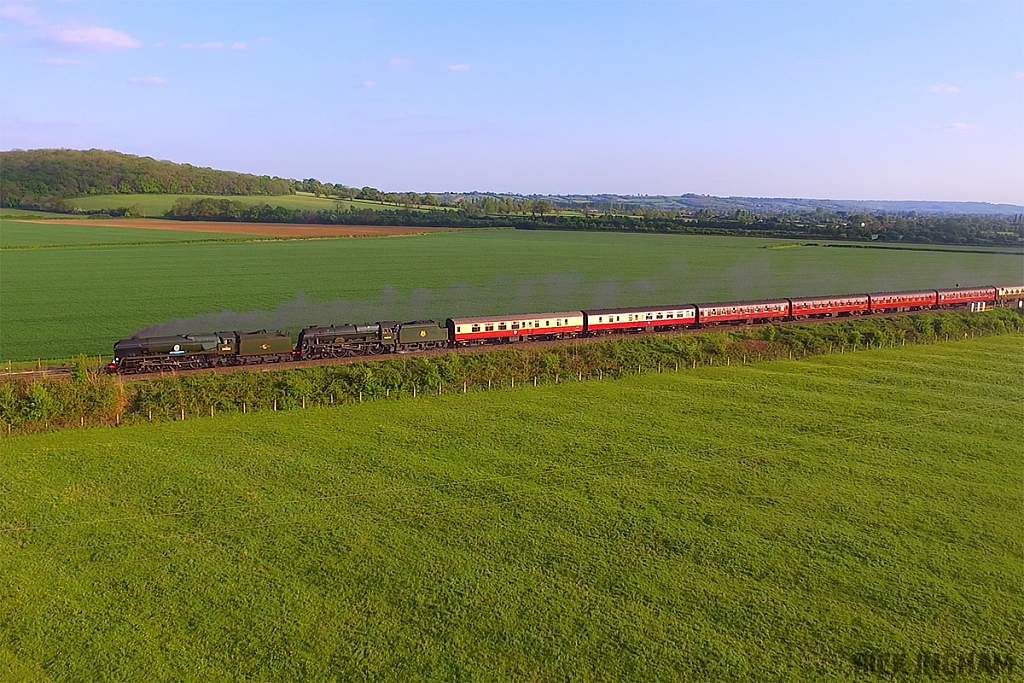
column 193, row 351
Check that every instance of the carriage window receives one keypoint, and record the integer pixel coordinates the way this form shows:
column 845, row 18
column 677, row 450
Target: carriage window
column 668, row 315
column 489, row 328
column 476, row 328
column 547, row 323
column 502, row 326
column 515, row 326
column 458, row 329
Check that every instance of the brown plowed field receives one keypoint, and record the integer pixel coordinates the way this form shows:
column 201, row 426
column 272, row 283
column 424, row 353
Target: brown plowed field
column 262, row 229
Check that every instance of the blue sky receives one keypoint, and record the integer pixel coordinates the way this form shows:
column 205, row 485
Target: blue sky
column 862, row 100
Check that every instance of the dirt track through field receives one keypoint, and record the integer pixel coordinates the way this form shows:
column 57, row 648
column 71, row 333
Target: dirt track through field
column 262, row 229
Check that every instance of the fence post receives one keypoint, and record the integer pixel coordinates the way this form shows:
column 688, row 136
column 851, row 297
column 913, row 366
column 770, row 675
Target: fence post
column 243, row 407
column 581, row 376
column 275, row 404
column 303, row 401
column 413, row 391
column 463, row 387
column 556, row 378
column 360, row 397
column 513, row 381
column 211, row 411
column 535, row 380
column 183, row 411
column 439, row 385
column 117, row 419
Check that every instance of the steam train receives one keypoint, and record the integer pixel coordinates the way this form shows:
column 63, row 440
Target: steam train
column 194, row 351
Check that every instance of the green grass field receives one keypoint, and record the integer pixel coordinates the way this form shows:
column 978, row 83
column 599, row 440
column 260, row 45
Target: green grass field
column 156, row 205
column 15, row 214
column 82, row 233
column 763, row 522
column 60, row 302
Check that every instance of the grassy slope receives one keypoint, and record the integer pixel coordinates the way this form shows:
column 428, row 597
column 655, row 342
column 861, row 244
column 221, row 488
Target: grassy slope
column 21, row 234
column 158, row 204
column 763, row 522
column 105, row 293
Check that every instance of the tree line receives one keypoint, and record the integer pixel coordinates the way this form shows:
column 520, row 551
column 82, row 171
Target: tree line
column 958, row 230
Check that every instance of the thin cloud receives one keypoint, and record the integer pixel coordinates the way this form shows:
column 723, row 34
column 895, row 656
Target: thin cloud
column 958, row 127
column 57, row 61
column 149, row 80
column 367, row 84
column 93, row 38
column 158, row 46
column 23, row 13
column 459, row 67
column 215, row 45
column 1018, row 74
column 400, row 62
column 239, row 46
column 944, row 89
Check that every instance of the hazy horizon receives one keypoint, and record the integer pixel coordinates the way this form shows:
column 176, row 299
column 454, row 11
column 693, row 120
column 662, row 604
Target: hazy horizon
column 842, row 101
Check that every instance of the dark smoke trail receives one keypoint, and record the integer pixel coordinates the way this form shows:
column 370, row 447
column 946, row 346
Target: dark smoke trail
column 504, row 294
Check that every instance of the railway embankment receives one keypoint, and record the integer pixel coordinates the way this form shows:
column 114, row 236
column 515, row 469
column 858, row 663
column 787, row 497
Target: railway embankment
column 91, row 399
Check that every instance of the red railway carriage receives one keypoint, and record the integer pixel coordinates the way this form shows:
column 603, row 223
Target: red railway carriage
column 509, row 328
column 743, row 311
column 608, row 320
column 824, row 306
column 901, row 301
column 966, row 295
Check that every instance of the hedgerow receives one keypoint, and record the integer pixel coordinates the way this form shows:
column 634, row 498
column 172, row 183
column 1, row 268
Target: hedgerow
column 89, row 399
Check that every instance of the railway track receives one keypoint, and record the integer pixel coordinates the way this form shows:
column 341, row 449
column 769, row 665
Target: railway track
column 59, row 372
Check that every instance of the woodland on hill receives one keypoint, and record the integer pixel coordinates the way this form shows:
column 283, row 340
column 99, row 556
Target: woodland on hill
column 43, row 177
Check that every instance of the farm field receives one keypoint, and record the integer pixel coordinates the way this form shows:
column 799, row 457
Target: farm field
column 763, row 522
column 132, row 230
column 156, row 205
column 49, row 233
column 15, row 214
column 104, row 293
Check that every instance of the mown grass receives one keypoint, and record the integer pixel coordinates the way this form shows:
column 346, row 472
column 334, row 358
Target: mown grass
column 762, row 522
column 156, row 205
column 15, row 233
column 62, row 302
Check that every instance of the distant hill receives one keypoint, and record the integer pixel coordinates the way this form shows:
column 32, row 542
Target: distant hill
column 766, row 205
column 45, row 176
